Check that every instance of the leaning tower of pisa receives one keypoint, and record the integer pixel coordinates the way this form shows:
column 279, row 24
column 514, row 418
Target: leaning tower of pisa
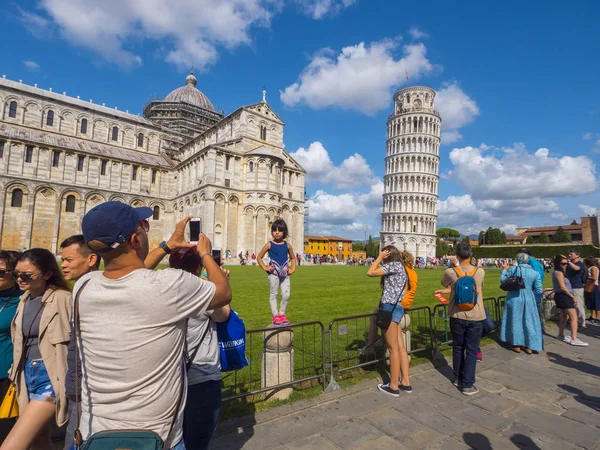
column 411, row 173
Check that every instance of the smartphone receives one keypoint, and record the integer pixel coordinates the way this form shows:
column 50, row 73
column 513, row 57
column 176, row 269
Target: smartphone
column 216, row 255
column 195, row 229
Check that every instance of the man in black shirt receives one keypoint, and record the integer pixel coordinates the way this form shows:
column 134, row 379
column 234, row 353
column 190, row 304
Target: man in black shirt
column 575, row 274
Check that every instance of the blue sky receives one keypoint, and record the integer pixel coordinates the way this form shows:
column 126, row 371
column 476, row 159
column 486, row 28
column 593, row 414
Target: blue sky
column 517, row 88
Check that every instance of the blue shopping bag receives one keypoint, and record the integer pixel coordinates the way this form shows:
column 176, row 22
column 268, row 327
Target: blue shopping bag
column 232, row 343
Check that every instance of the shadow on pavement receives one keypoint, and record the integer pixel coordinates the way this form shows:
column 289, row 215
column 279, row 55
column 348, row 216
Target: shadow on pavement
column 587, row 400
column 477, row 440
column 523, row 442
column 573, row 364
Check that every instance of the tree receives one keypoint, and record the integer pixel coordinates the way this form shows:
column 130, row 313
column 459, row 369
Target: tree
column 447, row 233
column 372, row 250
column 467, row 240
column 561, row 235
column 503, row 238
column 574, row 222
column 543, row 239
column 530, row 240
column 493, row 236
column 442, row 249
column 358, row 247
column 482, row 238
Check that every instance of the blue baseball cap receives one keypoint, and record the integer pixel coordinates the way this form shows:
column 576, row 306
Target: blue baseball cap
column 112, row 222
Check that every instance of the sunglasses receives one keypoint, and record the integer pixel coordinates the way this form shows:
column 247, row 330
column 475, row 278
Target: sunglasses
column 3, row 272
column 144, row 225
column 564, row 264
column 24, row 276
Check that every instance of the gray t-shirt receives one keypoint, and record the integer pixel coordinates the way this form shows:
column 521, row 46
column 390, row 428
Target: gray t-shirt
column 132, row 344
column 206, row 365
column 394, row 282
column 32, row 306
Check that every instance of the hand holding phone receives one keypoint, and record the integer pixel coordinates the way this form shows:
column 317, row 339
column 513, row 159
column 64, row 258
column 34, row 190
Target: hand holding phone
column 195, row 224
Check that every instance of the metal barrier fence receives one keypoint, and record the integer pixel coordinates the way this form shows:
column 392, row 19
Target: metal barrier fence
column 306, row 362
column 319, row 353
column 349, row 339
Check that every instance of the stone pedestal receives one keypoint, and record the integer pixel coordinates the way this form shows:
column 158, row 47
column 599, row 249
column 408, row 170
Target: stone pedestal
column 277, row 362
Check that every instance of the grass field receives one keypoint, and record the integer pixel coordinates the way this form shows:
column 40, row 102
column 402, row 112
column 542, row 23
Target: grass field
column 326, row 292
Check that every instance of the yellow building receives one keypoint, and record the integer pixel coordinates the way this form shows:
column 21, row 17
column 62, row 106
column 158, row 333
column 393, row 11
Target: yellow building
column 339, row 247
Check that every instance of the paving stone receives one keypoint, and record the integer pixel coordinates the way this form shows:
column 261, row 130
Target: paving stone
column 229, row 441
column 526, row 438
column 474, row 415
column 482, row 439
column 288, row 429
column 493, row 403
column 511, row 380
column 383, row 443
column 421, row 437
column 581, row 416
column 446, row 443
column 354, row 406
column 582, row 403
column 519, row 396
column 567, row 429
column 310, row 443
column 393, row 422
column 439, row 399
column 552, row 408
column 352, row 434
column 489, row 385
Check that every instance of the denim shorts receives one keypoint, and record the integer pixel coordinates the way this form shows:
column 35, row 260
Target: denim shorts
column 398, row 312
column 38, row 382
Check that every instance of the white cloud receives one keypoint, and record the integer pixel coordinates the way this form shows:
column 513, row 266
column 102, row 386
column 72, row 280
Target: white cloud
column 588, row 210
column 510, row 185
column 417, row 34
column 518, row 174
column 347, row 212
column 457, row 110
column 360, row 77
column 587, row 136
column 353, row 171
column 188, row 32
column 31, row 65
column 319, row 9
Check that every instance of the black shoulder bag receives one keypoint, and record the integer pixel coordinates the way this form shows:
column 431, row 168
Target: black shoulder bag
column 384, row 318
column 119, row 439
column 514, row 282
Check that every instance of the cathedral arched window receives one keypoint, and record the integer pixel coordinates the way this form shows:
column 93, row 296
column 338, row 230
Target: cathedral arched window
column 156, row 213
column 407, row 98
column 16, row 199
column 140, row 140
column 50, row 118
column 83, row 126
column 70, row 206
column 12, row 109
column 263, row 133
column 251, row 166
column 115, row 134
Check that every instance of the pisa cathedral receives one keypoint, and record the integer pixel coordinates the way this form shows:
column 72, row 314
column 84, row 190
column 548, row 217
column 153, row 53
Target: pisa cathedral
column 60, row 156
column 409, row 213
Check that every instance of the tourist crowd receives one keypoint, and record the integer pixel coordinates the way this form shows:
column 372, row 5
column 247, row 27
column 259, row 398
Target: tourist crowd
column 133, row 350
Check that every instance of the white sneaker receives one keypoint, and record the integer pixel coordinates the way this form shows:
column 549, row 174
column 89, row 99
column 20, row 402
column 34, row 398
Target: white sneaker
column 578, row 343
column 566, row 339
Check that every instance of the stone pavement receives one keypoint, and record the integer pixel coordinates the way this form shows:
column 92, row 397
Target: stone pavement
column 545, row 401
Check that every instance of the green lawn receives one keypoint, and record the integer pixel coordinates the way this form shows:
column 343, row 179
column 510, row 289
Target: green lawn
column 326, row 292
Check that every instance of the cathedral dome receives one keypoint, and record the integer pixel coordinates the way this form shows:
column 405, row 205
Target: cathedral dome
column 190, row 94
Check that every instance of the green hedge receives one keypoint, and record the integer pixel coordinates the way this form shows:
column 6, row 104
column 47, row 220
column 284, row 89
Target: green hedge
column 539, row 251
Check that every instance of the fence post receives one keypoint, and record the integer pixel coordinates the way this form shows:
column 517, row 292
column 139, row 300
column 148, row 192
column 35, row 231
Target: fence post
column 333, row 385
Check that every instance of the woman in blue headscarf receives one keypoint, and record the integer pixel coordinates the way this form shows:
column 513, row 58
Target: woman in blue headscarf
column 521, row 327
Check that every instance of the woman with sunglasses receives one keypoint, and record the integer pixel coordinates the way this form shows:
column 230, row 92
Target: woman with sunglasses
column 9, row 299
column 40, row 334
column 565, row 301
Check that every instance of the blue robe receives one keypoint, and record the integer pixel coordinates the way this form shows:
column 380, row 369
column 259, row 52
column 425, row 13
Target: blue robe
column 537, row 266
column 521, row 324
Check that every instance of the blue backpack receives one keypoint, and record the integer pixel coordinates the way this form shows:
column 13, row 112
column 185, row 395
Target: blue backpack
column 232, row 343
column 465, row 290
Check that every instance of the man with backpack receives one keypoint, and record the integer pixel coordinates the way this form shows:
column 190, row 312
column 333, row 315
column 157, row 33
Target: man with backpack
column 467, row 317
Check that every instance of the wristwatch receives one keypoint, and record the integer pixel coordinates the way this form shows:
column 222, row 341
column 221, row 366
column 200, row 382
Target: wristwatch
column 165, row 247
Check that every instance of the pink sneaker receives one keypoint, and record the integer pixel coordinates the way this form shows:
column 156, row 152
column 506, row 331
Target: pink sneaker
column 277, row 321
column 479, row 356
column 284, row 320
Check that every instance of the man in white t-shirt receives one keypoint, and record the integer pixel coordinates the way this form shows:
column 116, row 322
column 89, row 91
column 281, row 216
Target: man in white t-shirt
column 133, row 326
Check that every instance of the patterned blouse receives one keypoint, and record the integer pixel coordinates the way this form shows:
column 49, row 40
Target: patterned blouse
column 394, row 282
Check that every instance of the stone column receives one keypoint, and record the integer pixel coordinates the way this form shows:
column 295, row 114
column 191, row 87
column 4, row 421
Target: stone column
column 277, row 362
